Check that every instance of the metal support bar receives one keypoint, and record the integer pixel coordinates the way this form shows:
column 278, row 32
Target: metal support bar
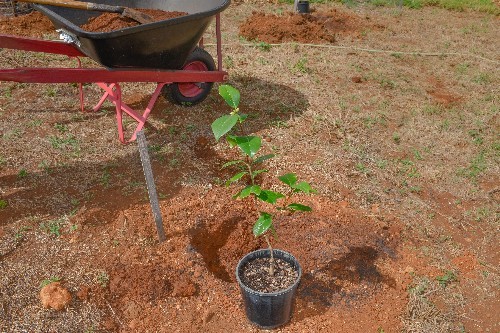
column 73, row 75
column 148, row 173
column 218, row 36
column 38, row 45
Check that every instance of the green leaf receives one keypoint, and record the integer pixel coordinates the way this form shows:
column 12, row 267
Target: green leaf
column 303, row 187
column 257, row 172
column 299, row 207
column 263, row 158
column 290, row 179
column 243, row 117
column 223, row 125
column 251, row 189
column 235, row 178
column 263, row 224
column 269, row 196
column 230, row 163
column 231, row 141
column 230, row 94
column 250, row 145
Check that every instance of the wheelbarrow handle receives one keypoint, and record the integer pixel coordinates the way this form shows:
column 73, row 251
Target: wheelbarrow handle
column 105, row 8
column 125, row 11
column 78, row 5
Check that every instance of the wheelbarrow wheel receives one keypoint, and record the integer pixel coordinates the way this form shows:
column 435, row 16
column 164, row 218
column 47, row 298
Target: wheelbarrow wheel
column 191, row 93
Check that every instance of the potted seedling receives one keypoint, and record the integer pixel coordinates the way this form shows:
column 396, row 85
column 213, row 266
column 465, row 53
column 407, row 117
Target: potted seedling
column 268, row 278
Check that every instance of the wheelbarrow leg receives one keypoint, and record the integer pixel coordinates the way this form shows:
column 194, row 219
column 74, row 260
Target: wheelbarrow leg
column 119, row 115
column 148, row 110
column 112, row 92
column 80, row 87
column 104, row 97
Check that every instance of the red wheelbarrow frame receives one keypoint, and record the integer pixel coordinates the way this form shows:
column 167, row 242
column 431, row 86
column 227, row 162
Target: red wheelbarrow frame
column 107, row 79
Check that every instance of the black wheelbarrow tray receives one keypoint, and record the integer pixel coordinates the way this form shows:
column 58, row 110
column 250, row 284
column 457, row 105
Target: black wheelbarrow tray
column 164, row 44
column 165, row 52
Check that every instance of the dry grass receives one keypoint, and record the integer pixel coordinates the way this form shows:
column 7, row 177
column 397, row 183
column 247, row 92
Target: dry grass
column 11, row 7
column 388, row 142
column 422, row 315
column 22, row 275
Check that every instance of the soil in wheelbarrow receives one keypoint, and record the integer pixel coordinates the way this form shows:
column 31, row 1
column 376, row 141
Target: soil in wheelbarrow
column 316, row 27
column 107, row 22
column 35, row 24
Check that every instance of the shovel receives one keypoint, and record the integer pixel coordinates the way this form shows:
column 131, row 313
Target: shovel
column 125, row 11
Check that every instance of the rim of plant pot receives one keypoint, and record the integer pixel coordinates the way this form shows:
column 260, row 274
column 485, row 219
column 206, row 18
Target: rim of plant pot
column 294, row 262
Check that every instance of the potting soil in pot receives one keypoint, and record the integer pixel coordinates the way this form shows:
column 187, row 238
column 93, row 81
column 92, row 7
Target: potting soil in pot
column 107, row 22
column 256, row 275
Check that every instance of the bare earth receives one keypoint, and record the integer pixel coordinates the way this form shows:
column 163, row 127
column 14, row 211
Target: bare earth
column 391, row 114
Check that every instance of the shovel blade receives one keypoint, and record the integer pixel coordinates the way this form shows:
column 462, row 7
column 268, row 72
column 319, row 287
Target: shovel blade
column 137, row 16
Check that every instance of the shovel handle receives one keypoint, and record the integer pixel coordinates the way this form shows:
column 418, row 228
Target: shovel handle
column 104, row 8
column 78, row 5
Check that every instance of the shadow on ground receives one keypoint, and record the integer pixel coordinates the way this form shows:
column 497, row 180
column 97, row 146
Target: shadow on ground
column 115, row 183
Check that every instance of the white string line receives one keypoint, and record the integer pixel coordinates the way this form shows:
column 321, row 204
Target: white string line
column 430, row 54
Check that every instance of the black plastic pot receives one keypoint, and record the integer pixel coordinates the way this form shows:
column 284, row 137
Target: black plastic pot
column 268, row 310
column 303, row 7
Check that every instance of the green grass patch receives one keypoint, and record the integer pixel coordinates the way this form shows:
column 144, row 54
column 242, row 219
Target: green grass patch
column 310, row 1
column 415, row 4
column 300, row 66
column 487, row 6
column 20, row 233
column 446, row 279
column 362, row 168
column 63, row 142
column 3, row 204
column 22, row 173
column 103, row 279
column 49, row 281
column 476, row 167
column 53, row 227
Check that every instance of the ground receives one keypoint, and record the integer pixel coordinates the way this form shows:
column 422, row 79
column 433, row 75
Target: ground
column 390, row 113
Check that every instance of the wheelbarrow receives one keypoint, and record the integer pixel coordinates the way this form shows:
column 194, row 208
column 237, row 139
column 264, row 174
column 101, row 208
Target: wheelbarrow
column 169, row 53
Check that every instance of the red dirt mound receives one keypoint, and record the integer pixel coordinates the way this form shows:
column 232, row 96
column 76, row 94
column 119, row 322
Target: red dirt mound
column 33, row 24
column 316, row 27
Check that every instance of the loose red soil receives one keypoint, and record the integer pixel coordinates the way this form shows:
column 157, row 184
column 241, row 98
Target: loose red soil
column 55, row 296
column 440, row 94
column 33, row 24
column 347, row 261
column 316, row 27
column 357, row 266
column 107, row 22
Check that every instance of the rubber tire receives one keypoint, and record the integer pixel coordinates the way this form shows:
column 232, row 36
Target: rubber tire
column 189, row 94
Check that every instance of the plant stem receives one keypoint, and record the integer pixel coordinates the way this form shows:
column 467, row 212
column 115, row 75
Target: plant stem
column 250, row 171
column 271, row 260
column 242, row 128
